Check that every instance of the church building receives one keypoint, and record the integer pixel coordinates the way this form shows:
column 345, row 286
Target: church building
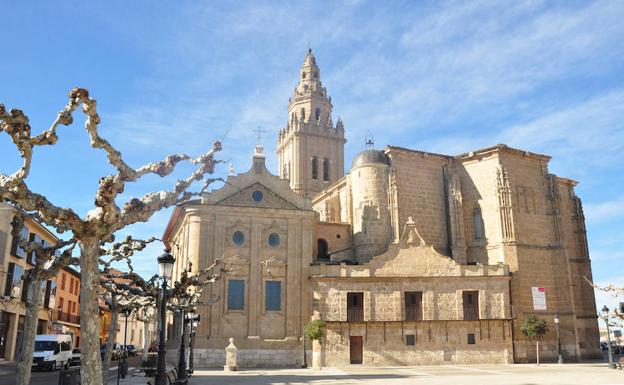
column 410, row 258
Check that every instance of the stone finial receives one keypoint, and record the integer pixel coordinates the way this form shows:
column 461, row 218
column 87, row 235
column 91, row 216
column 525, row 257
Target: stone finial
column 231, row 351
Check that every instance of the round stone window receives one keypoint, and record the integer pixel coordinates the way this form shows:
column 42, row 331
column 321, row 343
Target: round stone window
column 274, row 240
column 257, row 195
column 238, row 238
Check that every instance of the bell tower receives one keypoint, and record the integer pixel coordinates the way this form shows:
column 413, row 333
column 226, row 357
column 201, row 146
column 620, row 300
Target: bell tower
column 310, row 148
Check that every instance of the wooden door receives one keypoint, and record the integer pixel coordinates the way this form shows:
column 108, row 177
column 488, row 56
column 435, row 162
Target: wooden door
column 355, row 307
column 356, row 349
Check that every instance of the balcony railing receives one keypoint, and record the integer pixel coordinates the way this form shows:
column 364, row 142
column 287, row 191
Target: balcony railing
column 471, row 313
column 66, row 317
column 355, row 314
column 413, row 313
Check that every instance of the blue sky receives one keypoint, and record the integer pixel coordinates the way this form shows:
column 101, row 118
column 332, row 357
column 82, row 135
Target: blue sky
column 448, row 77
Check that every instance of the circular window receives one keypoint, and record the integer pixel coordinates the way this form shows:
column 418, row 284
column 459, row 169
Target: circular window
column 338, row 236
column 274, row 240
column 257, row 195
column 238, row 238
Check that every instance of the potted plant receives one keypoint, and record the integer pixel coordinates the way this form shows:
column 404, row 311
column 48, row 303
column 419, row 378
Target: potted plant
column 315, row 330
column 149, row 365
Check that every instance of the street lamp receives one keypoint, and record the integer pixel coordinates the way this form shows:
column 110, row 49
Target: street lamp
column 605, row 316
column 560, row 358
column 194, row 321
column 165, row 267
column 184, row 301
column 123, row 368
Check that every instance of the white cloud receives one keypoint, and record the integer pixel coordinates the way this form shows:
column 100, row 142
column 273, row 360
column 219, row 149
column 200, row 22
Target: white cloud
column 604, row 211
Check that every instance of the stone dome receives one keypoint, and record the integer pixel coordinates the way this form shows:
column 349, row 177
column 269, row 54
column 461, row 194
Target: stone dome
column 370, row 156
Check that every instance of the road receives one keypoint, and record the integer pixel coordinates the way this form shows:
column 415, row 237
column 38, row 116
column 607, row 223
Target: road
column 52, row 378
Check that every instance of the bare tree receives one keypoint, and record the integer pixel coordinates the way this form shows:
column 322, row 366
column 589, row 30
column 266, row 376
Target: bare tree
column 107, row 217
column 46, row 265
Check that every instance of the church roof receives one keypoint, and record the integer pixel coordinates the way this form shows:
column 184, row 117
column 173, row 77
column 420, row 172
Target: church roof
column 369, row 157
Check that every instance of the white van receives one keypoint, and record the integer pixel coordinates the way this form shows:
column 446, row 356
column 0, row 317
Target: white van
column 52, row 351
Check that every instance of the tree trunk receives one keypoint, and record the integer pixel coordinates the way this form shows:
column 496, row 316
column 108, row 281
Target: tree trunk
column 30, row 331
column 537, row 350
column 112, row 334
column 146, row 343
column 91, row 373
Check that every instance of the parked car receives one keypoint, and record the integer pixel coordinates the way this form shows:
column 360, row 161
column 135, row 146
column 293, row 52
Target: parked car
column 131, row 350
column 75, row 357
column 52, row 351
column 116, row 354
column 153, row 348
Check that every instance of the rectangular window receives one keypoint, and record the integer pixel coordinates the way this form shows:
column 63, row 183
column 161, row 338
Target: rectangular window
column 25, row 288
column 410, row 340
column 471, row 339
column 63, row 277
column 14, row 280
column 18, row 251
column 236, row 294
column 273, row 295
column 413, row 305
column 471, row 305
column 314, row 168
column 355, row 307
column 71, row 285
column 32, row 257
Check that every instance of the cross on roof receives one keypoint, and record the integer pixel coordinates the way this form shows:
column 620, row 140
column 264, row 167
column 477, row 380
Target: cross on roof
column 259, row 131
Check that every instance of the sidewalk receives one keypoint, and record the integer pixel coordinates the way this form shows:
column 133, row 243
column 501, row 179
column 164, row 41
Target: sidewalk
column 7, row 367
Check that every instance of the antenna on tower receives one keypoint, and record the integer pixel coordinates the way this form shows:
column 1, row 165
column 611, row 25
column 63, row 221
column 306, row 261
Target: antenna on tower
column 369, row 140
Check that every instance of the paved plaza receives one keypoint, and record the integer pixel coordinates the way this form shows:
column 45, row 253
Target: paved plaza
column 568, row 374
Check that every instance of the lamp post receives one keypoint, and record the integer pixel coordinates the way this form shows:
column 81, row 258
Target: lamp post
column 124, row 365
column 560, row 358
column 305, row 363
column 182, row 359
column 194, row 321
column 605, row 317
column 165, row 267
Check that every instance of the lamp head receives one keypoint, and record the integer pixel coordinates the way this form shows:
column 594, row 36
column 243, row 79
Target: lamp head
column 165, row 265
column 556, row 318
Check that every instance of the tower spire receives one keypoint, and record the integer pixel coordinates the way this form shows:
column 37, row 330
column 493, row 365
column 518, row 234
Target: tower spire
column 310, row 148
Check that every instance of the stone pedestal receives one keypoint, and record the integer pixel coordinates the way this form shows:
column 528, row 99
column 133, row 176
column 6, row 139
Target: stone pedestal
column 317, row 357
column 231, row 364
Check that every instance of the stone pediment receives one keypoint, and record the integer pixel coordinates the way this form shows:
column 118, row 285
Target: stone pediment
column 270, row 191
column 246, row 198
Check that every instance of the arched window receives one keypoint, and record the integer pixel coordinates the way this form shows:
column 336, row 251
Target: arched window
column 292, row 118
column 303, row 75
column 326, row 170
column 478, row 224
column 303, row 114
column 317, row 114
column 315, row 168
column 322, row 250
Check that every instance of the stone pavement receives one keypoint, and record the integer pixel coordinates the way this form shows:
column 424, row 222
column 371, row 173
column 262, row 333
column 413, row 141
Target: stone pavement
column 546, row 374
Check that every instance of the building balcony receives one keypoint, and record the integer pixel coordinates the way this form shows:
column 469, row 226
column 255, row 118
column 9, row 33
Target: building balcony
column 69, row 318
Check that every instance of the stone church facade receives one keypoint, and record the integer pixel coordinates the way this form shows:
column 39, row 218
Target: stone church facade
column 410, row 258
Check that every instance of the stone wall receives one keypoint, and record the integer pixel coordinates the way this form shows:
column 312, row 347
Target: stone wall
column 441, row 342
